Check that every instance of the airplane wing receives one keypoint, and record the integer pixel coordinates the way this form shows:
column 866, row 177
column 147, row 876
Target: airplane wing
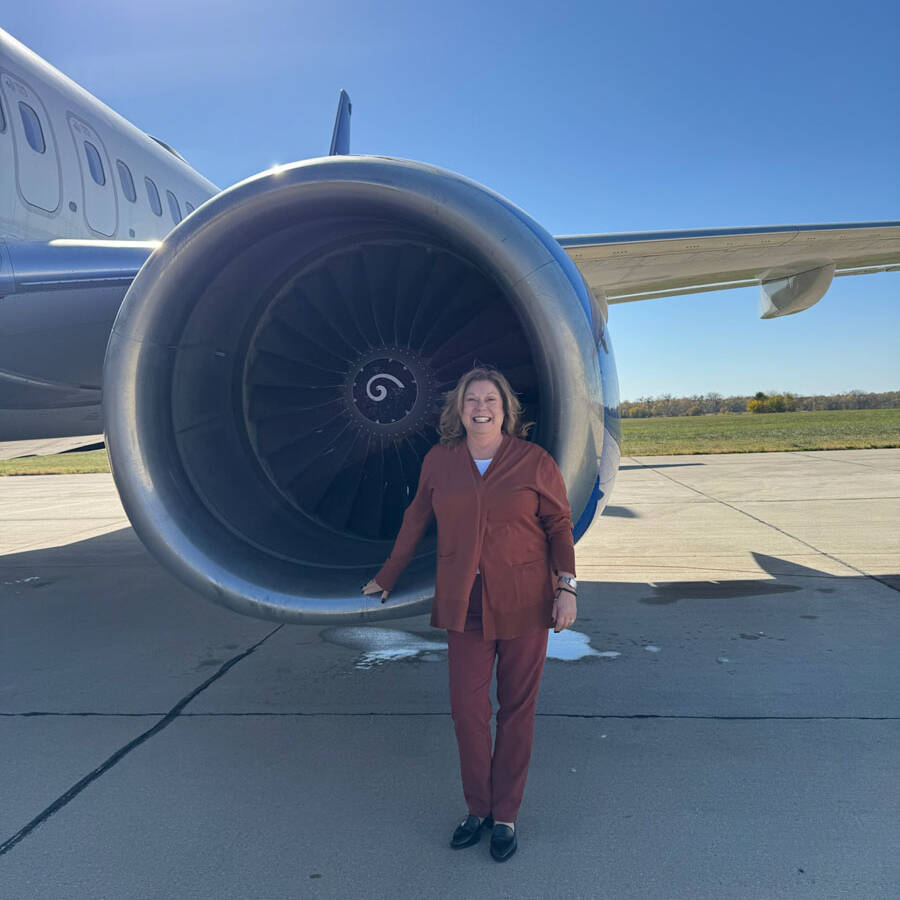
column 793, row 264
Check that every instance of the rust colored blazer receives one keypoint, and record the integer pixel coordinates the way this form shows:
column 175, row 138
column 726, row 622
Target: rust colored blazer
column 513, row 523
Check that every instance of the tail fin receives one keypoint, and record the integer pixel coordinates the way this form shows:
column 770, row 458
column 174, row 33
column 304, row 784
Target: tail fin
column 340, row 137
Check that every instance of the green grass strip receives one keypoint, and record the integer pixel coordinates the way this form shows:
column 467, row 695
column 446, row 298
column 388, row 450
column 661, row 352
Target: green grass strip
column 762, row 432
column 57, row 464
column 728, row 433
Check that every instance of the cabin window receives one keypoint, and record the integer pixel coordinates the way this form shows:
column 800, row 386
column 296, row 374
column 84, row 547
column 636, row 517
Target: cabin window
column 95, row 164
column 153, row 196
column 34, row 134
column 189, row 206
column 126, row 181
column 174, row 208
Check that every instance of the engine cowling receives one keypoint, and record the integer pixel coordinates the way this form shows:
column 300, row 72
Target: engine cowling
column 275, row 374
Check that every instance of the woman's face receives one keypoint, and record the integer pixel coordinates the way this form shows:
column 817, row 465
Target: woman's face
column 482, row 410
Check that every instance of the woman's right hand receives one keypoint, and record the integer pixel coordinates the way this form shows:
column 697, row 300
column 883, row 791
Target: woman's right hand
column 373, row 587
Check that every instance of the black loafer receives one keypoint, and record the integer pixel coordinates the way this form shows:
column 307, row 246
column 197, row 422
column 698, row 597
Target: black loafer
column 469, row 831
column 503, row 842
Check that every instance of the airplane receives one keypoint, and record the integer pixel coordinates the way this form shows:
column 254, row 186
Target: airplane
column 267, row 362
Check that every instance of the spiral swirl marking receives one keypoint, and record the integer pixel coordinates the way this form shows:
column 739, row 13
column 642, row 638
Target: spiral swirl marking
column 380, row 391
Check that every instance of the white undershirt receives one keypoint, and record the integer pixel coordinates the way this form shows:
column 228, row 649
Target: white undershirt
column 482, row 467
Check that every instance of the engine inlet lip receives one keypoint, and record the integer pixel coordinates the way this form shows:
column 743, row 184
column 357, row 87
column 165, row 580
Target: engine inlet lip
column 156, row 492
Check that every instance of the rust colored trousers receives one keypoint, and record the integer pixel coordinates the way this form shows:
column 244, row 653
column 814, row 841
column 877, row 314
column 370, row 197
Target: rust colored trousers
column 494, row 782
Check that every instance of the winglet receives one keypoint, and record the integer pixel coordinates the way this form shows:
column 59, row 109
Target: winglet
column 340, row 137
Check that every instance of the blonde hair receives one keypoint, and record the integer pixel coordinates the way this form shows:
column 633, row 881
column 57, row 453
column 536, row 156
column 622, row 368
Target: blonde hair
column 451, row 425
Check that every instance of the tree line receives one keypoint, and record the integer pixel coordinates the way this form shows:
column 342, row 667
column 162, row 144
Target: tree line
column 709, row 404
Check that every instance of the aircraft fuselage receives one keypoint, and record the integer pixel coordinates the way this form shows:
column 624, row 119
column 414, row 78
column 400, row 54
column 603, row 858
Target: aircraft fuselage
column 72, row 171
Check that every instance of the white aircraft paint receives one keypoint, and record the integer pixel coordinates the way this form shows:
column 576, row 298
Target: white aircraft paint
column 52, row 194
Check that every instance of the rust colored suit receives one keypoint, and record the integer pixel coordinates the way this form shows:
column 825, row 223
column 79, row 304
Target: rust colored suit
column 514, row 524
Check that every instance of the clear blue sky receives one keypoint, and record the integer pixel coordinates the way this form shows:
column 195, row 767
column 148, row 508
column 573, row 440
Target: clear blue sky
column 593, row 116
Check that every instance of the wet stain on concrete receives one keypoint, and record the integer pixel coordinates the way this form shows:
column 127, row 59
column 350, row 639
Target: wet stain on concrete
column 570, row 645
column 381, row 645
column 31, row 581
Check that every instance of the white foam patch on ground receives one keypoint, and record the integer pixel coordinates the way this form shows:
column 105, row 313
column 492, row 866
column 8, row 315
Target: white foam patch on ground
column 381, row 645
column 570, row 645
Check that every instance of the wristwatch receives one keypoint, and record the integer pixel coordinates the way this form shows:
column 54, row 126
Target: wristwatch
column 571, row 582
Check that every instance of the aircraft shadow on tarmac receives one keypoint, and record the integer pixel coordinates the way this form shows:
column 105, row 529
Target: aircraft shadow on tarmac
column 116, row 553
column 621, row 512
column 121, row 548
column 660, row 465
column 729, row 589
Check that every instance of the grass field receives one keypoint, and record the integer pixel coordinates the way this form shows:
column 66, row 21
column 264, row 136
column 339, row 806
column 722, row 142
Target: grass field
column 57, row 464
column 756, row 432
column 737, row 433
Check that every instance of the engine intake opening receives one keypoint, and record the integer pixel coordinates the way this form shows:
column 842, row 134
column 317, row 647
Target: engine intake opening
column 276, row 372
column 305, row 401
column 346, row 369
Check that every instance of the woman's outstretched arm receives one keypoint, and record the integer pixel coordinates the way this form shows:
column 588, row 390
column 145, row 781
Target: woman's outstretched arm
column 416, row 519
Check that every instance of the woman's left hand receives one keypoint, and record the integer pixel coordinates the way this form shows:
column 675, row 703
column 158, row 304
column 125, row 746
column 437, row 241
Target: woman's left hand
column 564, row 610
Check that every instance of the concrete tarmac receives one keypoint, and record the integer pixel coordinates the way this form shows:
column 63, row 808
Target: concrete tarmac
column 49, row 446
column 730, row 727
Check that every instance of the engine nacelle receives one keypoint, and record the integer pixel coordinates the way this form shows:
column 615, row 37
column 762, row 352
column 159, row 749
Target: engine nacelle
column 276, row 370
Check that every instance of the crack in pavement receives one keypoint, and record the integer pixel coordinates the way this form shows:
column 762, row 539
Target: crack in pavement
column 122, row 752
column 383, row 714
column 750, row 515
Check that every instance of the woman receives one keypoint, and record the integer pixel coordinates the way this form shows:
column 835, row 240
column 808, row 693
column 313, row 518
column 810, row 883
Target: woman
column 505, row 574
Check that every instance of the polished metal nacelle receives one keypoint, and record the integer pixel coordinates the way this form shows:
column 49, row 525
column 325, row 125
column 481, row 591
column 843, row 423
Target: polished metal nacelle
column 221, row 451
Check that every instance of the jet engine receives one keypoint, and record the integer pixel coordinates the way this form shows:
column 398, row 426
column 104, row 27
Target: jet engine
column 276, row 370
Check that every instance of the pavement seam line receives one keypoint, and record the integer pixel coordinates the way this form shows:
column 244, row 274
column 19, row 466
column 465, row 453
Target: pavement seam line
column 122, row 752
column 807, row 454
column 793, row 537
column 389, row 715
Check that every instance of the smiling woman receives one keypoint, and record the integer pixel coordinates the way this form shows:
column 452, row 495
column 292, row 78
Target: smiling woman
column 505, row 574
column 486, row 405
